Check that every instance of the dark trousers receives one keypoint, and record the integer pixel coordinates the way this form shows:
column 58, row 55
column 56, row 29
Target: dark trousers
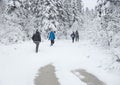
column 37, row 45
column 77, row 39
column 52, row 42
column 73, row 39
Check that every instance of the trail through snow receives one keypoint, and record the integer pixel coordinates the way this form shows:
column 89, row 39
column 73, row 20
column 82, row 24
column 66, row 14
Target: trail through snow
column 19, row 64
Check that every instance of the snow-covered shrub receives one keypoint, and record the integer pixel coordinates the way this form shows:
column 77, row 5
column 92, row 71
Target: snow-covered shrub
column 116, row 40
column 12, row 35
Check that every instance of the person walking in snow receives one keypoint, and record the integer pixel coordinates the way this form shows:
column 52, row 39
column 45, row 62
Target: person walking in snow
column 52, row 37
column 73, row 36
column 76, row 36
column 36, row 39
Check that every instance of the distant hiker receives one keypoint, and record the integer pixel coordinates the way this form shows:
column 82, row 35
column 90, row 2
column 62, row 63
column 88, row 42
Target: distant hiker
column 52, row 37
column 36, row 39
column 76, row 36
column 73, row 36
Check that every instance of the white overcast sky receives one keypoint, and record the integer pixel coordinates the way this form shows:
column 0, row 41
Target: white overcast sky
column 89, row 3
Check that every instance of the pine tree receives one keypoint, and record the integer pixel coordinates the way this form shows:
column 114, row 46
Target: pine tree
column 26, row 16
column 109, row 12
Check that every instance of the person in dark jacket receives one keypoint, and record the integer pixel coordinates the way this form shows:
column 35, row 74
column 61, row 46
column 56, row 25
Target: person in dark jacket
column 73, row 36
column 52, row 37
column 36, row 39
column 76, row 36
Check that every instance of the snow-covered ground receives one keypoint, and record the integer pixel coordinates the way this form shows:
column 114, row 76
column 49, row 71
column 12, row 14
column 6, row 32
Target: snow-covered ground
column 19, row 64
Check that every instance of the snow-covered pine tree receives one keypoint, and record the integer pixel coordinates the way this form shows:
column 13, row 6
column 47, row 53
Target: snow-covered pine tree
column 24, row 16
column 2, row 20
column 74, row 11
column 109, row 12
column 40, row 14
column 79, row 5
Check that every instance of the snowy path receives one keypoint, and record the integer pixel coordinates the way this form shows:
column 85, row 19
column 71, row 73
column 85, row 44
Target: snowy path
column 88, row 78
column 19, row 64
column 47, row 76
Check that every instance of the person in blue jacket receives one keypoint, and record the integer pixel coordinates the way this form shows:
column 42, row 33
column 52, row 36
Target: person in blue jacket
column 52, row 37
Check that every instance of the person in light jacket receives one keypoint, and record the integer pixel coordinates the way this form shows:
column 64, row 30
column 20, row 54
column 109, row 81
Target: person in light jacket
column 76, row 36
